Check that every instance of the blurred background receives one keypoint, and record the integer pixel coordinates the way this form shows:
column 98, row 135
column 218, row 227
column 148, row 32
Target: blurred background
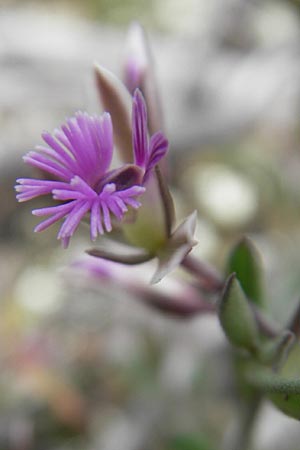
column 82, row 367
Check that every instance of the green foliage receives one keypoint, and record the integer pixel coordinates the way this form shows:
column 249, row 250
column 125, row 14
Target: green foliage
column 189, row 442
column 245, row 261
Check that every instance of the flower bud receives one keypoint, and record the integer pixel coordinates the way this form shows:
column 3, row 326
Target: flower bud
column 237, row 318
column 245, row 261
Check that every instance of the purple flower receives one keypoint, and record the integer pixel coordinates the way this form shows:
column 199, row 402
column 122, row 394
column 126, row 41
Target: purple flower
column 78, row 158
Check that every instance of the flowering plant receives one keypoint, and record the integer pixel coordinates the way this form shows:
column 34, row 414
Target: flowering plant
column 132, row 204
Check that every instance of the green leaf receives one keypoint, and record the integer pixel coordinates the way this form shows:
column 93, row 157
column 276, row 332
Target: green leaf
column 245, row 261
column 237, row 318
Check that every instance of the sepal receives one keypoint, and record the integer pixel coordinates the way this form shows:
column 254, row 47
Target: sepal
column 177, row 247
column 152, row 227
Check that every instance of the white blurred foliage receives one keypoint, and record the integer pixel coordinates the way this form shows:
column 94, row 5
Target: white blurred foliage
column 229, row 198
column 38, row 290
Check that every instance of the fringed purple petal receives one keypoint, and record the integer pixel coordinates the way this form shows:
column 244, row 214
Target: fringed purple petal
column 29, row 188
column 62, row 153
column 106, row 216
column 139, row 129
column 62, row 139
column 82, row 147
column 73, row 219
column 103, row 132
column 83, row 199
column 56, row 212
column 76, row 189
column 68, row 194
column 116, row 202
column 50, row 210
column 47, row 165
column 96, row 221
column 131, row 192
column 73, row 211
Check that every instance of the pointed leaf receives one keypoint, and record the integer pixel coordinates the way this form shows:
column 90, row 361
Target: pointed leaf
column 116, row 100
column 245, row 261
column 237, row 318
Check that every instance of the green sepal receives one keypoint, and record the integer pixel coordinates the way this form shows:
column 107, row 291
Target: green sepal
column 179, row 244
column 149, row 229
column 245, row 261
column 237, row 318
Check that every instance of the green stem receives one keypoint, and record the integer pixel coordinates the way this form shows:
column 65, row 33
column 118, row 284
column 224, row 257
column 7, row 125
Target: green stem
column 242, row 434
